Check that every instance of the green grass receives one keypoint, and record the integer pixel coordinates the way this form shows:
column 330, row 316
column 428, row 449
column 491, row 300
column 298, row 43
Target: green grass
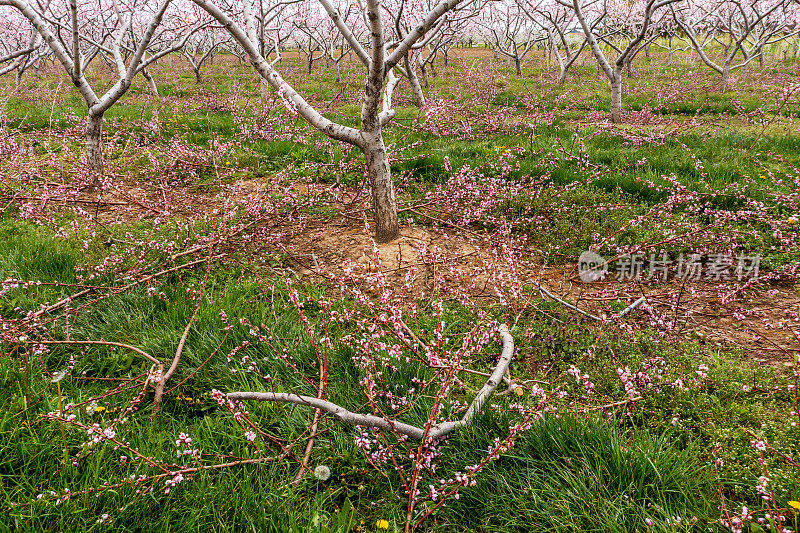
column 568, row 473
column 573, row 474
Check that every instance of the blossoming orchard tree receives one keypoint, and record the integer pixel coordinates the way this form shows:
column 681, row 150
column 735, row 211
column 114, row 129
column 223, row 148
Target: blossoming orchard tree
column 316, row 32
column 125, row 31
column 460, row 23
column 445, row 40
column 671, row 37
column 203, row 45
column 403, row 21
column 20, row 44
column 557, row 21
column 631, row 25
column 740, row 27
column 508, row 31
column 380, row 57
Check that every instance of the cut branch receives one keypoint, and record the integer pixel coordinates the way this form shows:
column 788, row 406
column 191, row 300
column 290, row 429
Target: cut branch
column 436, row 431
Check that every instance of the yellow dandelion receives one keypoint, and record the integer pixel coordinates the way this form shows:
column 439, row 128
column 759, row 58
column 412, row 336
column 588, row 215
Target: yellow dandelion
column 794, row 504
column 382, row 524
column 99, row 409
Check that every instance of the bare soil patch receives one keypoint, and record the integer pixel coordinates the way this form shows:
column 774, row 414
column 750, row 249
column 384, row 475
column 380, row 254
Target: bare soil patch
column 764, row 322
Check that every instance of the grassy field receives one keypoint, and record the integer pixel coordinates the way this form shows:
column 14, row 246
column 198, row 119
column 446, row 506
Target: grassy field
column 227, row 213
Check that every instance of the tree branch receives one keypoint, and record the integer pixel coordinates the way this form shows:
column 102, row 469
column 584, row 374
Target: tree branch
column 357, row 419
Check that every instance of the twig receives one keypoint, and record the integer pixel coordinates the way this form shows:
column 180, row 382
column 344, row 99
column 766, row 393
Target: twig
column 624, row 312
column 162, row 380
column 73, row 200
column 119, row 290
column 106, row 343
column 616, row 404
column 631, row 307
column 569, row 305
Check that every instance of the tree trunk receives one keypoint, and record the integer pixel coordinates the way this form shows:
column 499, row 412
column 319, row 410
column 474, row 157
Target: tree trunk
column 726, row 76
column 562, row 76
column 416, row 90
column 197, row 77
column 94, row 142
column 517, row 66
column 151, row 83
column 423, row 70
column 671, row 56
column 380, row 176
column 616, row 99
column 338, row 73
